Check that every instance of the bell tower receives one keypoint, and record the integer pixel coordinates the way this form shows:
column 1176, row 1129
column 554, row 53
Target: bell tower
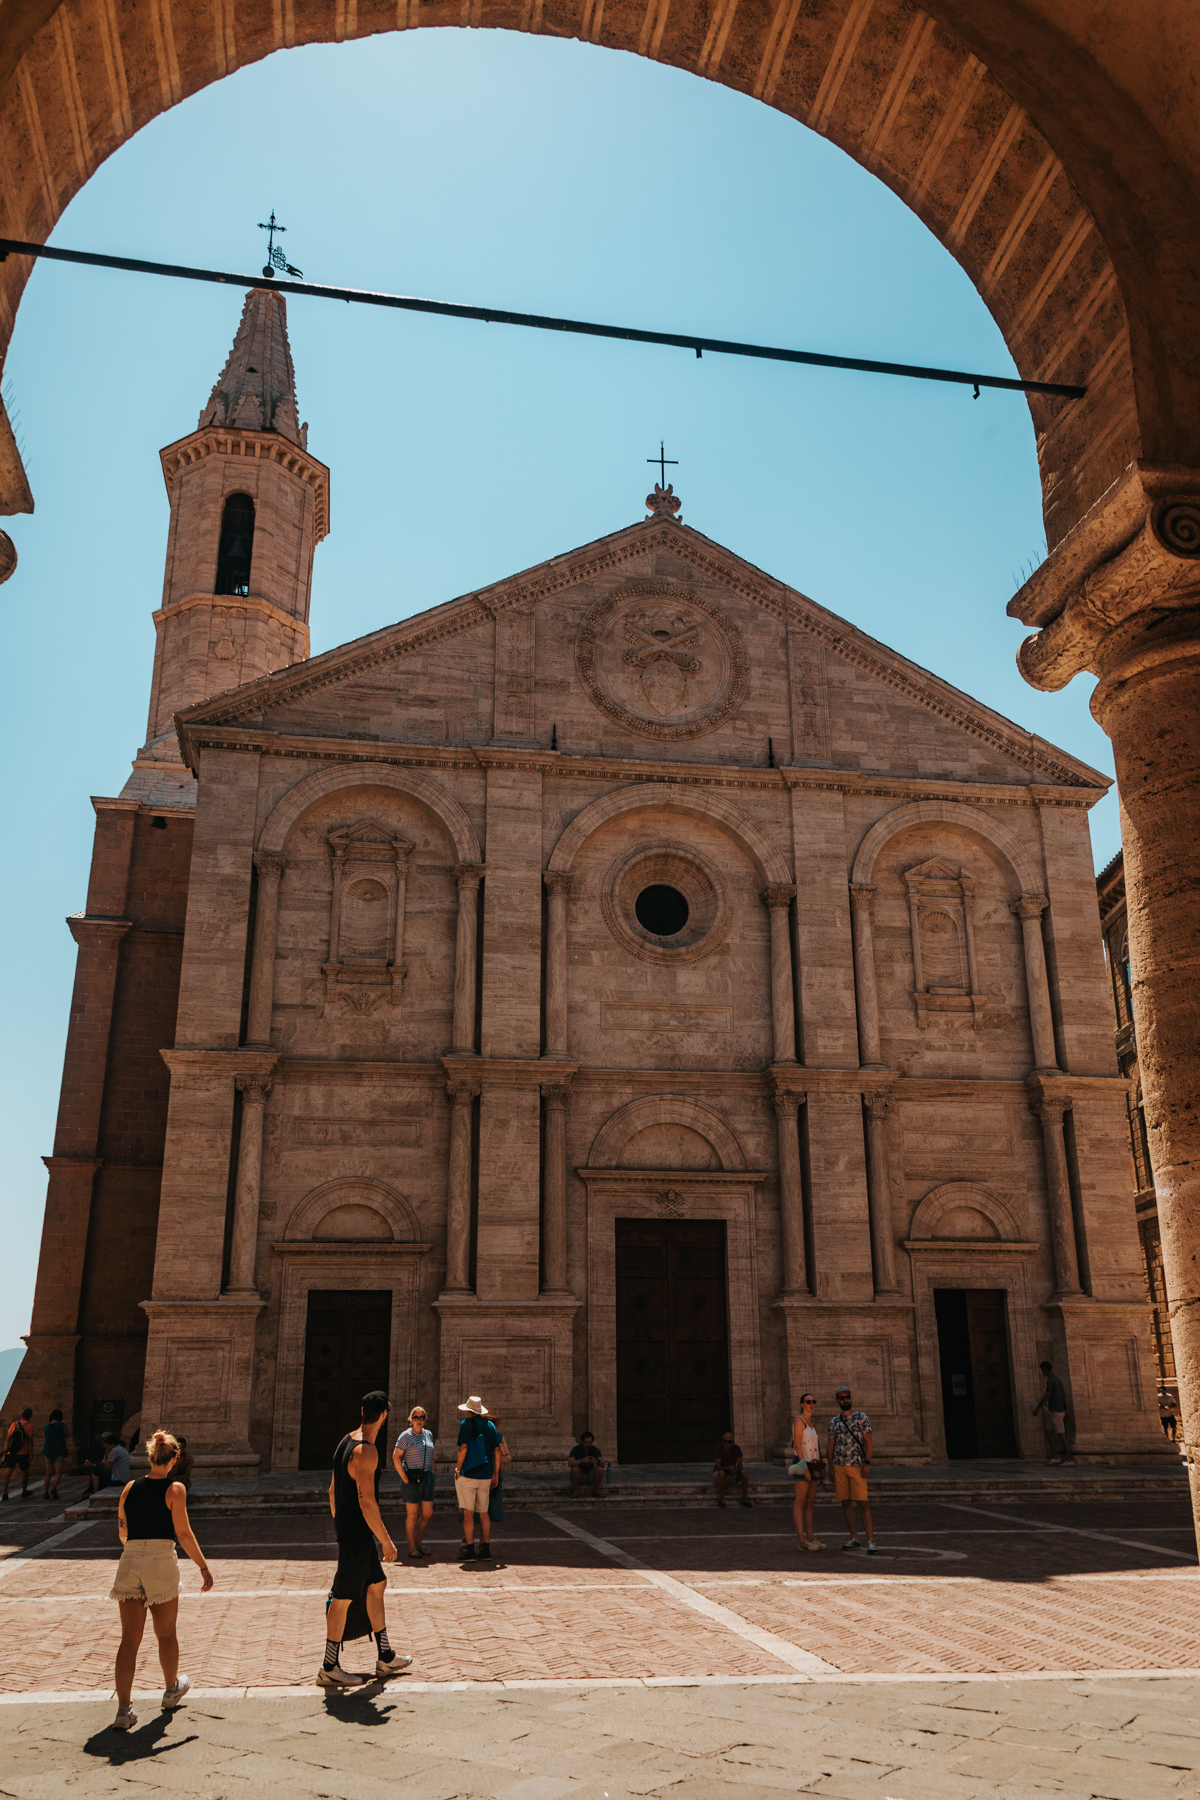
column 249, row 506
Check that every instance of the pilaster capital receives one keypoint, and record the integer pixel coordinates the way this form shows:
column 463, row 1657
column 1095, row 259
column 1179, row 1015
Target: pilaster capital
column 862, row 896
column 469, row 875
column 787, row 1102
column 558, row 881
column 1049, row 1108
column 254, row 1089
column 1028, row 906
column 779, row 894
column 879, row 1105
column 556, row 1095
column 1132, row 559
column 462, row 1093
column 270, row 864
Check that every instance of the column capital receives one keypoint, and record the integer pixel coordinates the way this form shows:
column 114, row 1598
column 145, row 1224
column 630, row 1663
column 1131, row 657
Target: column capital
column 1028, row 906
column 788, row 1101
column 558, row 881
column 1133, row 558
column 879, row 1105
column 778, row 894
column 469, row 875
column 254, row 1089
column 556, row 1095
column 270, row 864
column 862, row 894
column 462, row 1093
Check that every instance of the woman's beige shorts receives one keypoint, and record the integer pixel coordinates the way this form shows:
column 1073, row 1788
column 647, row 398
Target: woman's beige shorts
column 147, row 1571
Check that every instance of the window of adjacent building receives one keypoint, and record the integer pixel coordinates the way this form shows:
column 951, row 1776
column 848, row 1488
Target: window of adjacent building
column 237, row 542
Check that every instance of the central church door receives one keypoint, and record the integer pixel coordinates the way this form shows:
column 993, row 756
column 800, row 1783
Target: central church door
column 672, row 1340
column 346, row 1352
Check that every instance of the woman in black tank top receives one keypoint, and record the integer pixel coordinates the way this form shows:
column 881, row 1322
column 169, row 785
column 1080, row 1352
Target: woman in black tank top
column 152, row 1518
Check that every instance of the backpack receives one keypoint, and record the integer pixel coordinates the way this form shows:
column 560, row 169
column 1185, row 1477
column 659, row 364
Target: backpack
column 477, row 1462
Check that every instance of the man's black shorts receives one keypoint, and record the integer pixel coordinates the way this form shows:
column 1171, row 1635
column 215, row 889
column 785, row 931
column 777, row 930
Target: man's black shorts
column 358, row 1568
column 14, row 1461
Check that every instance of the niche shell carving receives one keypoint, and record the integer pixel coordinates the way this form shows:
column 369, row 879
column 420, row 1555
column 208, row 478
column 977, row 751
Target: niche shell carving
column 662, row 660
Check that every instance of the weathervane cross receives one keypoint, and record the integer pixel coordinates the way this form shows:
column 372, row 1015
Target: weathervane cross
column 275, row 257
column 662, row 459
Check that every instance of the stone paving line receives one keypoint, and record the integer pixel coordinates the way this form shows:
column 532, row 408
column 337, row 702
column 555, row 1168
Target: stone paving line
column 703, row 1605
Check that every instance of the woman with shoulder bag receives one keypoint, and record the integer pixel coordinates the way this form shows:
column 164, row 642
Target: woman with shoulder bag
column 808, row 1471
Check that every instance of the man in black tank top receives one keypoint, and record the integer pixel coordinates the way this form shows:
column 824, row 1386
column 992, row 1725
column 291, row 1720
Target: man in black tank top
column 355, row 1606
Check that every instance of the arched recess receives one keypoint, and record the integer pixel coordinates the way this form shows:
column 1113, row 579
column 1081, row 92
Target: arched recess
column 697, row 801
column 1018, row 142
column 927, row 1220
column 665, row 1109
column 946, row 812
column 332, row 1196
column 446, row 809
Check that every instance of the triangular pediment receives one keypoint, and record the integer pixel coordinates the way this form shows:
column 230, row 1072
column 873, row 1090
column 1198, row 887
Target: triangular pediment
column 936, row 869
column 812, row 642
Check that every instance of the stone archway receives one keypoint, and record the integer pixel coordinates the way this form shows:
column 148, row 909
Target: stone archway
column 1015, row 141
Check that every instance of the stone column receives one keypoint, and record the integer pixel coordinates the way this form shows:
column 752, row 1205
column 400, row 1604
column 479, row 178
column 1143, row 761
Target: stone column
column 861, row 900
column 1029, row 909
column 554, row 1193
column 778, row 901
column 1058, row 1195
column 458, row 1188
column 791, row 1195
column 270, row 867
column 1123, row 601
column 254, row 1090
column 558, row 887
column 878, row 1109
column 467, row 876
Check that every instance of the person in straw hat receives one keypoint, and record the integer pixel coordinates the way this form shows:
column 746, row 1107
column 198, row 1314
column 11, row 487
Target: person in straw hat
column 476, row 1473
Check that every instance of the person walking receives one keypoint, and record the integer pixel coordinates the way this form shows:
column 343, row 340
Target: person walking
column 476, row 1473
column 355, row 1607
column 152, row 1517
column 1167, row 1415
column 1054, row 1404
column 848, row 1448
column 18, row 1444
column 414, row 1462
column 807, row 1448
column 728, row 1466
column 54, row 1450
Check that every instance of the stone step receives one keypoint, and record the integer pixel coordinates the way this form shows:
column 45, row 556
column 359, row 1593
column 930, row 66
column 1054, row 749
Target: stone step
column 251, row 1500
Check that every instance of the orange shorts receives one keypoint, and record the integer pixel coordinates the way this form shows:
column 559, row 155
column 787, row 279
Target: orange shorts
column 849, row 1483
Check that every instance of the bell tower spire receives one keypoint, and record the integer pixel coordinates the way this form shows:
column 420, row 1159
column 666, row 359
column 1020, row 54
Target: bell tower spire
column 249, row 506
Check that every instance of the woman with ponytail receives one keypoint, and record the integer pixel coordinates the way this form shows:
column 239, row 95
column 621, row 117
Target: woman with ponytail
column 152, row 1516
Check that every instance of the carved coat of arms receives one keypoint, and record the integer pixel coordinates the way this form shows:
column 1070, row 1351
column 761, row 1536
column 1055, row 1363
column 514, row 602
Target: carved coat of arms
column 667, row 662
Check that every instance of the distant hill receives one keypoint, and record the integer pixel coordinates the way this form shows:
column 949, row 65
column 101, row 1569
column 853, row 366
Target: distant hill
column 10, row 1362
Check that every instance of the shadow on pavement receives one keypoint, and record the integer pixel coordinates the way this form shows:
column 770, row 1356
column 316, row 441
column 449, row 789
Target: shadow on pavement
column 143, row 1743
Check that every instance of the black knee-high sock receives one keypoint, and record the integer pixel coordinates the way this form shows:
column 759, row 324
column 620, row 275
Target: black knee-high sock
column 332, row 1652
column 386, row 1652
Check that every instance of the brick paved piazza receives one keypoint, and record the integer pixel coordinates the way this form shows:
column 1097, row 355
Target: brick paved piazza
column 987, row 1650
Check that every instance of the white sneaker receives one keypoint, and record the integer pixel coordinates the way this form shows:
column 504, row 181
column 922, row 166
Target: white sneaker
column 815, row 1544
column 125, row 1720
column 173, row 1695
column 399, row 1662
column 337, row 1678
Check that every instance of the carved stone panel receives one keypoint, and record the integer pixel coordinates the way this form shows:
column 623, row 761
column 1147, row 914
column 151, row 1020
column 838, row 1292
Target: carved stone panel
column 809, row 696
column 366, row 916
column 940, row 903
column 662, row 660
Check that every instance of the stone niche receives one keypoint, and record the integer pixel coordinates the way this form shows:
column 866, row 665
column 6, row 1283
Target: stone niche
column 366, row 916
column 941, row 903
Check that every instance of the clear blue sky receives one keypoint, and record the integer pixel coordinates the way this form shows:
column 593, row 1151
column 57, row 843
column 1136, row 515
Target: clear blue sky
column 517, row 172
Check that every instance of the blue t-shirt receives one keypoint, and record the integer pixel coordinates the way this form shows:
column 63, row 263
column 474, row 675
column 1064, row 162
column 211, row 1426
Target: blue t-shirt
column 472, row 1428
column 416, row 1450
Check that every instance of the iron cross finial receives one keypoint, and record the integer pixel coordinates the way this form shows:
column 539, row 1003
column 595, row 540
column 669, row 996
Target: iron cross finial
column 662, row 459
column 275, row 257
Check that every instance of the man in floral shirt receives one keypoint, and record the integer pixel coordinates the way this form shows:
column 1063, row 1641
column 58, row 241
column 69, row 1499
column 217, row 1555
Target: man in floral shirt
column 849, row 1452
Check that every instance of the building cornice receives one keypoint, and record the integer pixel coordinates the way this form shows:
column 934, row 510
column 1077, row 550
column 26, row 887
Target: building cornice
column 246, row 603
column 558, row 765
column 260, row 446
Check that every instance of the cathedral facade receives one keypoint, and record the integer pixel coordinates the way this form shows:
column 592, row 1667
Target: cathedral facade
column 628, row 992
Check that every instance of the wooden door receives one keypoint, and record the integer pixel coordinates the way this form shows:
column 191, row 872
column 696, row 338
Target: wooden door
column 672, row 1339
column 347, row 1350
column 987, row 1328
